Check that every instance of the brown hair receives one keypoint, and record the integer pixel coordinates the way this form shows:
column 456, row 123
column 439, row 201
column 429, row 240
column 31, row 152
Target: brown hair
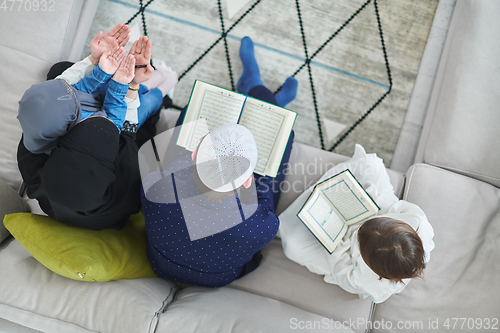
column 391, row 248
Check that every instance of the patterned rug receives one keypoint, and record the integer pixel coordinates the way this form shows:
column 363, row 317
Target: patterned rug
column 355, row 60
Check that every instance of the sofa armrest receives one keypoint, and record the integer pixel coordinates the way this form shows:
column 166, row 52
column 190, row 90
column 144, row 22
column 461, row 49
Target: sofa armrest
column 85, row 20
column 10, row 202
column 461, row 278
column 461, row 129
column 34, row 41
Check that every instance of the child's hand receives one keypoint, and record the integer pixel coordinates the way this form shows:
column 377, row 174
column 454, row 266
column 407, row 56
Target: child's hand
column 118, row 36
column 141, row 50
column 110, row 60
column 125, row 72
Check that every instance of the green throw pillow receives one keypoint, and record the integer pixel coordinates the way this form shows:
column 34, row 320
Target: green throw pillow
column 84, row 254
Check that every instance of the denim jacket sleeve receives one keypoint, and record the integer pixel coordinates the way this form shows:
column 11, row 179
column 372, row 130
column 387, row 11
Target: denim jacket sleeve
column 91, row 83
column 114, row 103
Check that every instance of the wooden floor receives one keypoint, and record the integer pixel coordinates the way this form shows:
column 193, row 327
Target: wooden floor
column 349, row 74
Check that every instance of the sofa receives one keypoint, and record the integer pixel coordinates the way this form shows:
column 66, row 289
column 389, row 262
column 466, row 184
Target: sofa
column 455, row 180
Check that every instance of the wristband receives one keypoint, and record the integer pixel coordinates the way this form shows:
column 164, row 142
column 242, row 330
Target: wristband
column 133, row 89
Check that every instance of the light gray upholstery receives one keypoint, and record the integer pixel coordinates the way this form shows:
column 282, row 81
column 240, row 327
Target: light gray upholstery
column 461, row 132
column 8, row 326
column 10, row 202
column 281, row 279
column 33, row 296
column 34, row 41
column 198, row 309
column 462, row 278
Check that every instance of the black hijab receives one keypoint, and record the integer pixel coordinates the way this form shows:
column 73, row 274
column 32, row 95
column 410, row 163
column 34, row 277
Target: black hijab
column 91, row 179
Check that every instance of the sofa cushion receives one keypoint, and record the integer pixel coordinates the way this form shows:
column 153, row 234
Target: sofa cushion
column 10, row 202
column 33, row 296
column 461, row 131
column 8, row 326
column 462, row 277
column 198, row 309
column 84, row 254
column 49, row 30
column 281, row 279
column 34, row 41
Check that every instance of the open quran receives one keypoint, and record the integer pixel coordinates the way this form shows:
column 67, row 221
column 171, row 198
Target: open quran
column 333, row 206
column 210, row 107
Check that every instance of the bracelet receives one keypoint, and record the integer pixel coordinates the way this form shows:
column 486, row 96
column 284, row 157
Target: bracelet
column 133, row 89
column 141, row 66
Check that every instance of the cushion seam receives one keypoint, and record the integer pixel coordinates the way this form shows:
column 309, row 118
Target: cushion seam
column 26, row 54
column 164, row 306
column 408, row 183
column 45, row 316
column 410, row 176
column 465, row 171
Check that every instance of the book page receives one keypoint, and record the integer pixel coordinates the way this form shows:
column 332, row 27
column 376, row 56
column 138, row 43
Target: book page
column 348, row 198
column 264, row 132
column 326, row 217
column 216, row 106
column 344, row 200
column 270, row 126
column 323, row 221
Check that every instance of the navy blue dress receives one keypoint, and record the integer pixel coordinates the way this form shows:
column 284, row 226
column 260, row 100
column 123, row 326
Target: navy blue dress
column 239, row 226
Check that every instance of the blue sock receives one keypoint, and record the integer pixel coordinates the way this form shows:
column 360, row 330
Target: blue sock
column 251, row 75
column 287, row 92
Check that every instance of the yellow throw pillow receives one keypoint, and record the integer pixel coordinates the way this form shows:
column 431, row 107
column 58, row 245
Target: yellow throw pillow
column 84, row 254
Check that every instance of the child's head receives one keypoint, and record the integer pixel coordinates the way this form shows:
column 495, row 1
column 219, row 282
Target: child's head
column 391, row 248
column 47, row 111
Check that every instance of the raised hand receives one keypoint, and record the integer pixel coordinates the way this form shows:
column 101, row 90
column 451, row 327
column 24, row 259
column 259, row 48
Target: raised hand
column 118, row 36
column 125, row 72
column 141, row 50
column 110, row 60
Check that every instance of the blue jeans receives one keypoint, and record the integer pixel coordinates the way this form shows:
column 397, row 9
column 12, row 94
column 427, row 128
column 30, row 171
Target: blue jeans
column 151, row 101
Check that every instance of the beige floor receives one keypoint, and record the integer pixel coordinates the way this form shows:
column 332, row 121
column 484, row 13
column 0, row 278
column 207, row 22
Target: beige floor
column 349, row 73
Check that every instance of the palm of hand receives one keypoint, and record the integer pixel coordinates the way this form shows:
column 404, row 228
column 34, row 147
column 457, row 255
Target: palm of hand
column 117, row 36
column 102, row 44
column 143, row 74
column 108, row 63
column 141, row 50
column 140, row 58
column 125, row 72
